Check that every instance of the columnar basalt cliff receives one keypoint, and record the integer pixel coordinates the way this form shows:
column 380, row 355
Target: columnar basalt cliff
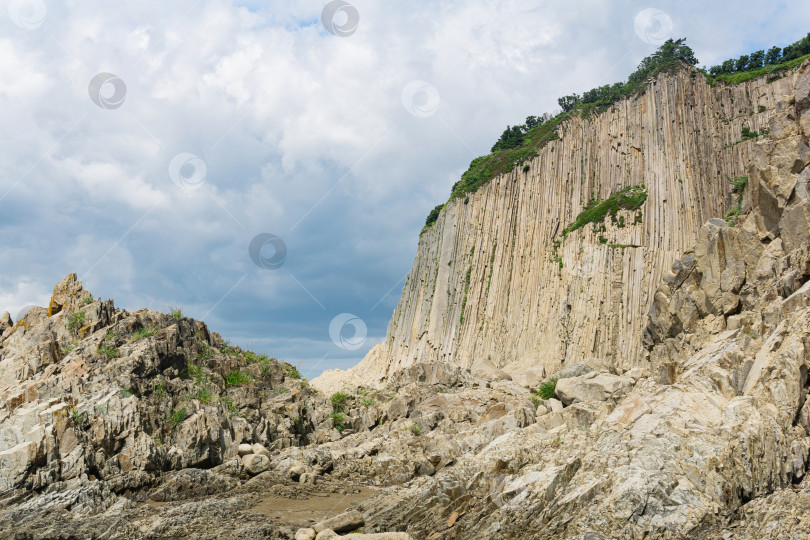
column 489, row 289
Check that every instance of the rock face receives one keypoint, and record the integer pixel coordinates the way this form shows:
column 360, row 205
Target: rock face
column 486, row 286
column 723, row 421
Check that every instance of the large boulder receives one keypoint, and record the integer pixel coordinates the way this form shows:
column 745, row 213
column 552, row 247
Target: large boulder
column 592, row 387
column 255, row 463
column 345, row 522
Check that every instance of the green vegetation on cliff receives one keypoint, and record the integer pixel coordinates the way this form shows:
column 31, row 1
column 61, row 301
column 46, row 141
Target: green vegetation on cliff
column 521, row 143
column 630, row 198
column 518, row 144
column 760, row 63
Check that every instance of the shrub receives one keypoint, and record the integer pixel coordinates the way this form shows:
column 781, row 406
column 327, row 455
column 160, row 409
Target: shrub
column 109, row 351
column 433, row 216
column 228, row 404
column 87, row 300
column 197, row 373
column 143, row 332
column 176, row 312
column 177, row 417
column 204, row 395
column 739, row 183
column 80, row 419
column 338, row 420
column 238, row 378
column 76, row 321
column 367, row 402
column 158, row 390
column 292, row 371
column 547, row 388
column 338, row 400
column 204, row 351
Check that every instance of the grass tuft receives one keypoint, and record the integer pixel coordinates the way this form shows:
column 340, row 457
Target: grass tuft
column 177, row 417
column 238, row 378
column 547, row 389
column 339, row 400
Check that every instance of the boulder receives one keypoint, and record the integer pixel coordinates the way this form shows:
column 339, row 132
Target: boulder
column 581, row 368
column 257, row 448
column 245, row 449
column 592, row 387
column 305, row 534
column 345, row 522
column 637, row 373
column 255, row 463
column 326, row 534
column 554, row 405
column 296, row 472
column 529, row 377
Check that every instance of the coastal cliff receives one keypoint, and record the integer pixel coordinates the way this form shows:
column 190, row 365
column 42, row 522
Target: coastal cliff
column 489, row 289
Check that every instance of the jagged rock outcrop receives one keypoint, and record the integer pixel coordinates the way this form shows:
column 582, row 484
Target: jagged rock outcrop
column 486, row 290
column 96, row 402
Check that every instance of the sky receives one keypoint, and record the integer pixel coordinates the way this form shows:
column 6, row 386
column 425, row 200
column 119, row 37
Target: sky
column 267, row 166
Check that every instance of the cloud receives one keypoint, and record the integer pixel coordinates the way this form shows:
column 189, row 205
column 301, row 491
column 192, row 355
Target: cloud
column 303, row 134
